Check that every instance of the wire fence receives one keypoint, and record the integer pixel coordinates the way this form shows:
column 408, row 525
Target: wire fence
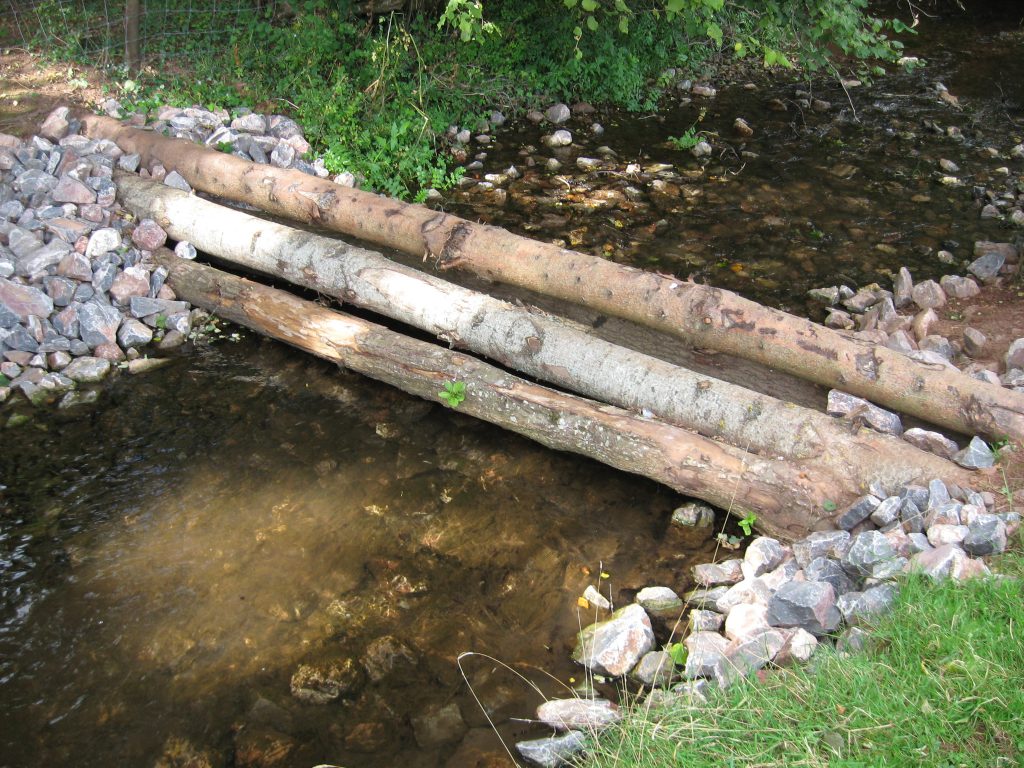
column 101, row 30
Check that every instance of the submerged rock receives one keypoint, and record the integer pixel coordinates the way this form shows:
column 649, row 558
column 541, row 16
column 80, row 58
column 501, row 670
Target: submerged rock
column 554, row 751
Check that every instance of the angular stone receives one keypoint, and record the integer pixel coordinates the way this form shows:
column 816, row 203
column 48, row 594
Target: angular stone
column 595, row 598
column 845, row 405
column 143, row 306
column 933, row 442
column 133, row 333
column 149, row 235
column 24, row 301
column 959, row 287
column 986, row 267
column 439, row 726
column 692, row 515
column 75, row 266
column 940, row 562
column 869, row 550
column 1015, row 355
column 584, row 714
column 829, row 570
column 977, row 455
column 69, row 190
column 799, row 647
column 903, row 284
column 747, row 591
column 325, row 682
column 660, row 601
column 102, row 241
column 705, row 621
column 712, row 574
column 923, row 322
column 886, row 512
column 821, row 544
column 938, row 344
column 87, row 370
column 614, row 647
column 941, row 534
column 560, row 138
column 132, row 282
column 60, row 289
column 747, row 655
column 705, row 651
column 808, row 604
column 986, row 535
column 557, row 113
column 857, row 512
column 98, row 324
column 746, row 619
column 763, row 554
column 928, row 295
column 938, row 495
column 554, row 751
column 55, row 126
column 974, row 342
column 655, row 670
column 706, row 598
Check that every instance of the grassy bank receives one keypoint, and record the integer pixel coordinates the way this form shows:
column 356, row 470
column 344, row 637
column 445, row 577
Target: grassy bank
column 942, row 684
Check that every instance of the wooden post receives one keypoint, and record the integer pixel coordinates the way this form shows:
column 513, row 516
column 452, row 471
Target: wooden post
column 132, row 54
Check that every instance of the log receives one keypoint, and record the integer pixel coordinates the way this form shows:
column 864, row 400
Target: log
column 787, row 497
column 704, row 316
column 542, row 346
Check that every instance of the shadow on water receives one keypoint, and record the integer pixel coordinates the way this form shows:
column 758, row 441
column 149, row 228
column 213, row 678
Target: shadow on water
column 171, row 559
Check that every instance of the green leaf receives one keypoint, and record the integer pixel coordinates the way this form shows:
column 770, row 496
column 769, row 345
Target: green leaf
column 589, row 5
column 592, row 23
column 715, row 33
column 577, row 32
column 828, row 505
column 570, row 3
column 624, row 25
column 674, row 6
column 677, row 652
column 4, row 381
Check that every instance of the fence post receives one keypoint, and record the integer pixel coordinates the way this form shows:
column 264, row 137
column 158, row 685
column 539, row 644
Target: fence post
column 133, row 57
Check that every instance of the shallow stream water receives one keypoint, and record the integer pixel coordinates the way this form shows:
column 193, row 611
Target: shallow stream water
column 172, row 555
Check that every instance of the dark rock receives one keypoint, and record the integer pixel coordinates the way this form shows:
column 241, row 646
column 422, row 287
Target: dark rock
column 986, row 535
column 98, row 324
column 848, row 406
column 986, row 267
column 868, row 552
column 821, row 544
column 810, row 605
column 857, row 512
column 977, row 455
column 322, row 683
column 829, row 570
column 694, row 515
column 439, row 726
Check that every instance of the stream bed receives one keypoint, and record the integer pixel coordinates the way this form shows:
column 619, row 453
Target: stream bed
column 180, row 555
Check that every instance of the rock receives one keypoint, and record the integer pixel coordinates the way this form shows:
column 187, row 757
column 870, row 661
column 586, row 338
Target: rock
column 87, row 370
column 133, row 333
column 928, row 295
column 986, row 535
column 439, row 726
column 746, row 619
column 763, row 554
column 177, row 181
column 974, row 342
column 694, row 515
column 595, row 598
column 705, row 652
column 98, row 324
column 147, row 364
column 941, row 534
column 868, row 552
column 69, row 190
column 577, row 713
column 938, row 344
column 75, row 266
column 933, row 442
column 322, row 683
column 959, row 287
column 701, row 149
column 387, row 656
column 940, row 562
column 712, row 574
column 23, row 301
column 261, row 748
column 977, row 455
column 143, row 306
column 554, row 751
column 857, row 512
column 829, row 570
column 705, row 621
column 856, row 408
column 986, row 267
column 923, row 323
column 149, row 235
column 742, row 127
column 660, row 601
column 838, row 319
column 821, row 544
column 1015, row 355
column 798, row 648
column 748, row 655
column 747, row 591
column 706, row 91
column 655, row 670
column 614, row 647
column 557, row 113
column 132, row 282
column 33, row 181
column 560, row 138
column 102, row 241
column 808, row 604
column 706, row 598
column 55, row 126
column 185, row 250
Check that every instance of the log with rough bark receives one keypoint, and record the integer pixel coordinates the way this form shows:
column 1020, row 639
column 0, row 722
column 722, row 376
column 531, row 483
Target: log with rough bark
column 788, row 497
column 541, row 345
column 704, row 316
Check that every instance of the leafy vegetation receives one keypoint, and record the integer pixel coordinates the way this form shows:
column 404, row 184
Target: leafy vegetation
column 939, row 686
column 376, row 96
column 453, row 394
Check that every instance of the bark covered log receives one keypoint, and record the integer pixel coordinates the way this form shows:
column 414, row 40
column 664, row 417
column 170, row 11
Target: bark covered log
column 787, row 497
column 704, row 316
column 540, row 345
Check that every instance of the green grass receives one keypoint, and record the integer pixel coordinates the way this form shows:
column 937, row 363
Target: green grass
column 941, row 685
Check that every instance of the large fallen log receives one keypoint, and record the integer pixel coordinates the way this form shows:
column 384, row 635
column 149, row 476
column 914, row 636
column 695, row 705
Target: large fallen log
column 540, row 345
column 704, row 316
column 789, row 498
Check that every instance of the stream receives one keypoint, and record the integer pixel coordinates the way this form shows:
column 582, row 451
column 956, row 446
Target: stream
column 176, row 554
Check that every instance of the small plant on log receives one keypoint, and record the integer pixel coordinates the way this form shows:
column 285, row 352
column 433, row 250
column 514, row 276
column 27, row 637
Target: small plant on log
column 747, row 523
column 454, row 393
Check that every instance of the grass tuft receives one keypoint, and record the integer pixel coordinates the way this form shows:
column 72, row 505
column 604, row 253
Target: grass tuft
column 941, row 685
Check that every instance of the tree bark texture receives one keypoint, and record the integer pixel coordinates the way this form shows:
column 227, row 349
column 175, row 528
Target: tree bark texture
column 787, row 497
column 535, row 343
column 705, row 317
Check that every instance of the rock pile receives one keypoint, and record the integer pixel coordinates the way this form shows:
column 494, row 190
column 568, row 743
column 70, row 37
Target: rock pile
column 777, row 604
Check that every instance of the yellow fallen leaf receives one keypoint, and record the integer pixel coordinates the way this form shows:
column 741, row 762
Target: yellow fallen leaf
column 605, row 575
column 582, row 602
